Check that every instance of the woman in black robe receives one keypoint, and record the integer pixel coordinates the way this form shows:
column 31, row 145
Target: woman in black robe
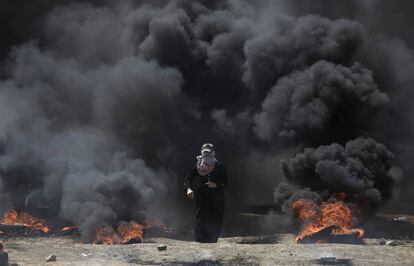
column 205, row 183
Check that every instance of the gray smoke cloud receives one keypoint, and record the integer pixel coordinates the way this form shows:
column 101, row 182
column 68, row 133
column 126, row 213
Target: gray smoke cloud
column 298, row 44
column 361, row 169
column 106, row 109
column 323, row 97
column 71, row 126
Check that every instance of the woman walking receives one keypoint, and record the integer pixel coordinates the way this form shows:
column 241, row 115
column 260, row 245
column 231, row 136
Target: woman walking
column 205, row 183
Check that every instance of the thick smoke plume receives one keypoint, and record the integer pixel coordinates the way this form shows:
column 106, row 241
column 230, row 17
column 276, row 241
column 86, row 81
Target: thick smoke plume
column 322, row 98
column 104, row 104
column 361, row 169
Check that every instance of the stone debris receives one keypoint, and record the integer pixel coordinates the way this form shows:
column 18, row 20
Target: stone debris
column 51, row 258
column 329, row 259
column 332, row 261
column 226, row 252
column 382, row 241
column 162, row 247
column 392, row 243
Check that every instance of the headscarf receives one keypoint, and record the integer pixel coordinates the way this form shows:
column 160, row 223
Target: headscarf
column 206, row 161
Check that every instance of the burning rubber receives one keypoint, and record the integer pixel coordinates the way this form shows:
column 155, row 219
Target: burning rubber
column 334, row 217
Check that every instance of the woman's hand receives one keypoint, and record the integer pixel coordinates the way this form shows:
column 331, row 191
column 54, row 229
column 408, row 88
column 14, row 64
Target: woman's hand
column 211, row 184
column 190, row 193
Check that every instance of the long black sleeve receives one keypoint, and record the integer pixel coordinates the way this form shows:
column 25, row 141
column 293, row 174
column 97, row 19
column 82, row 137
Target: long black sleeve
column 190, row 178
column 225, row 177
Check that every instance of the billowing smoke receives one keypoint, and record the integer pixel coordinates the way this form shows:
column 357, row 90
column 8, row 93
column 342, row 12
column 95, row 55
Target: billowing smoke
column 296, row 45
column 105, row 104
column 361, row 169
column 71, row 138
column 323, row 98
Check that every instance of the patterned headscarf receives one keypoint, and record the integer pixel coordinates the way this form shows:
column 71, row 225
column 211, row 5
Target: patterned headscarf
column 206, row 161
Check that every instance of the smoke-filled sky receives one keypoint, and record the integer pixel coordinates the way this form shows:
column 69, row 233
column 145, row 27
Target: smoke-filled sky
column 105, row 104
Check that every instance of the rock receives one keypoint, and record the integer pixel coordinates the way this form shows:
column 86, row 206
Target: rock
column 4, row 258
column 392, row 243
column 162, row 247
column 51, row 258
column 382, row 241
column 332, row 260
column 13, row 264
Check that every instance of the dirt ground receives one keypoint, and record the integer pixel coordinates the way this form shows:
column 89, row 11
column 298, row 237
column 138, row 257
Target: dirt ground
column 272, row 249
column 282, row 250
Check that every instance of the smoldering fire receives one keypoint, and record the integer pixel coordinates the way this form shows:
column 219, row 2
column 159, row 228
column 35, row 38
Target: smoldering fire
column 102, row 109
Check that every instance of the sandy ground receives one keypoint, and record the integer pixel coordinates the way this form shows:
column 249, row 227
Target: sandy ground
column 276, row 248
column 282, row 250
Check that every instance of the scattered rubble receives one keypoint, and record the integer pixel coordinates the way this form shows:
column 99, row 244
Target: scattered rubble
column 393, row 243
column 332, row 261
column 162, row 247
column 51, row 258
column 32, row 251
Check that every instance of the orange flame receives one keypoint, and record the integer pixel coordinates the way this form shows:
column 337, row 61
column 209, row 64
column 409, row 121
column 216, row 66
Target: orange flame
column 24, row 219
column 333, row 213
column 127, row 232
column 120, row 235
column 69, row 228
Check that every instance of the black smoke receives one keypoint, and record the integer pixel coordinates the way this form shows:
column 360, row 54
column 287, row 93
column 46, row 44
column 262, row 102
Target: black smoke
column 298, row 43
column 361, row 169
column 323, row 98
column 104, row 104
